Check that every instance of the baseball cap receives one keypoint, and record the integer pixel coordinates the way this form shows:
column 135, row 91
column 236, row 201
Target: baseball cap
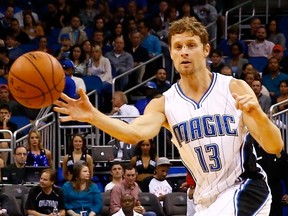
column 65, row 36
column 67, row 63
column 278, row 47
column 163, row 161
column 4, row 86
column 151, row 85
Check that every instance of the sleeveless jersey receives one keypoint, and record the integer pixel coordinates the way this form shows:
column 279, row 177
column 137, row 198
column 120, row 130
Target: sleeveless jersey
column 140, row 166
column 37, row 160
column 70, row 161
column 209, row 135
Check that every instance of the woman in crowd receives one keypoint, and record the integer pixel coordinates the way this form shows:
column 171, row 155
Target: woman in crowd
column 273, row 33
column 81, row 194
column 37, row 155
column 283, row 94
column 77, row 57
column 77, row 152
column 32, row 29
column 144, row 159
column 42, row 45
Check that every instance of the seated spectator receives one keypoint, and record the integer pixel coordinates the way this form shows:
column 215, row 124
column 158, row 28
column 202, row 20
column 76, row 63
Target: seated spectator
column 42, row 45
column 264, row 100
column 278, row 53
column 144, row 159
column 43, row 198
column 260, row 46
column 127, row 186
column 158, row 184
column 246, row 68
column 87, row 13
column 5, row 62
column 86, row 51
column 77, row 152
column 26, row 8
column 236, row 61
column 116, row 174
column 12, row 45
column 32, row 29
column 81, row 194
column 273, row 33
column 20, row 36
column 52, row 19
column 68, row 67
column 77, row 56
column 64, row 50
column 121, row 60
column 150, row 92
column 254, row 75
column 76, row 34
column 217, row 61
column 283, row 88
column 273, row 79
column 37, row 155
column 122, row 151
column 161, row 80
column 128, row 204
column 250, row 34
column 233, row 37
column 120, row 107
column 19, row 156
column 226, row 70
column 4, row 204
column 6, row 124
column 189, row 187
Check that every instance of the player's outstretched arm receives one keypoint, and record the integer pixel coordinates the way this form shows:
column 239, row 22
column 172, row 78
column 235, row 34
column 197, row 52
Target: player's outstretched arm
column 144, row 127
column 257, row 122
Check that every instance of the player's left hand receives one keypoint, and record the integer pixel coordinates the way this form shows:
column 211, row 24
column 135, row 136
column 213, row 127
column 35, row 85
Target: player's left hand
column 246, row 103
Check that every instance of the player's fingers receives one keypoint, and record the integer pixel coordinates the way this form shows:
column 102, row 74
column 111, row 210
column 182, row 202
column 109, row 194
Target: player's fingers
column 59, row 103
column 82, row 93
column 65, row 118
column 66, row 97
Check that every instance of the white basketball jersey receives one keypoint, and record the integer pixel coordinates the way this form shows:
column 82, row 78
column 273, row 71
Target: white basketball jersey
column 209, row 136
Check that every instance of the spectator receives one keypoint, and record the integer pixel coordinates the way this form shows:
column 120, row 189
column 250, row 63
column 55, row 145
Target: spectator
column 207, row 15
column 5, row 98
column 283, row 88
column 19, row 156
column 139, row 54
column 68, row 67
column 161, row 80
column 120, row 107
column 189, row 187
column 37, row 155
column 12, row 45
column 20, row 36
column 5, row 62
column 27, row 8
column 5, row 21
column 250, row 34
column 42, row 45
column 32, row 29
column 260, row 46
column 117, row 175
column 226, row 70
column 76, row 34
column 87, row 51
column 264, row 100
column 246, row 68
column 150, row 92
column 77, row 56
column 236, row 61
column 88, row 13
column 144, row 159
column 6, row 124
column 52, row 18
column 4, row 203
column 64, row 50
column 77, row 152
column 43, row 198
column 216, row 61
column 273, row 79
column 121, row 60
column 158, row 184
column 233, row 37
column 128, row 204
column 254, row 75
column 81, row 194
column 98, row 39
column 274, row 35
column 127, row 186
column 122, row 151
column 278, row 52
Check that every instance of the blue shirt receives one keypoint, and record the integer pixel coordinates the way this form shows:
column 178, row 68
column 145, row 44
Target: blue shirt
column 273, row 84
column 70, row 87
column 152, row 44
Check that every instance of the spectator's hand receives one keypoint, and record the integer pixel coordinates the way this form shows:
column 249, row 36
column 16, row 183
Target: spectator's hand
column 115, row 109
column 161, row 197
column 139, row 209
column 184, row 186
column 191, row 192
column 6, row 118
column 285, row 199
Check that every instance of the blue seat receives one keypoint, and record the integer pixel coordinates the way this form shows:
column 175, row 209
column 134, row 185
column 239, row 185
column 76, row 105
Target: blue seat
column 28, row 47
column 93, row 83
column 21, row 121
column 258, row 62
column 3, row 80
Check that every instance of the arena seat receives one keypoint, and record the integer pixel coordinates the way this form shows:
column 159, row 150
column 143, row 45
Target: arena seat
column 151, row 203
column 175, row 204
column 258, row 62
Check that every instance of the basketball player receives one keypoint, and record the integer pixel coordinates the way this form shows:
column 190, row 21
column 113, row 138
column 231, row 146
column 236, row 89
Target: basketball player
column 209, row 115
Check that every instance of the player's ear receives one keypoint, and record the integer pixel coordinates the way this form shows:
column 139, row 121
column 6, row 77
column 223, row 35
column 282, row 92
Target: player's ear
column 206, row 49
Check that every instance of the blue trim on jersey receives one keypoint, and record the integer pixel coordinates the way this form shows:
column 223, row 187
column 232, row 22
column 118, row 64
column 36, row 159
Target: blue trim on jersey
column 205, row 95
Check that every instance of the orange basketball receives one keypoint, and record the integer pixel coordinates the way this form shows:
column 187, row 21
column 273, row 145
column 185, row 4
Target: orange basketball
column 36, row 79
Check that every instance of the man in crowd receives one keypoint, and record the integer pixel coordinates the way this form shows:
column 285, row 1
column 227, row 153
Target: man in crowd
column 117, row 175
column 19, row 156
column 264, row 100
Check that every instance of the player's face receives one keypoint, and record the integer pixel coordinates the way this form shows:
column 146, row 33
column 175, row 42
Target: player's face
column 84, row 174
column 117, row 171
column 130, row 176
column 20, row 156
column 45, row 181
column 162, row 172
column 77, row 142
column 188, row 53
column 34, row 139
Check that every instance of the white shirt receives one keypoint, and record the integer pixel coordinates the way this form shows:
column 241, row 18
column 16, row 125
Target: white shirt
column 79, row 83
column 109, row 186
column 121, row 213
column 127, row 110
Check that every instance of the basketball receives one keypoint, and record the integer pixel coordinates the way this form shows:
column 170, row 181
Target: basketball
column 36, row 79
